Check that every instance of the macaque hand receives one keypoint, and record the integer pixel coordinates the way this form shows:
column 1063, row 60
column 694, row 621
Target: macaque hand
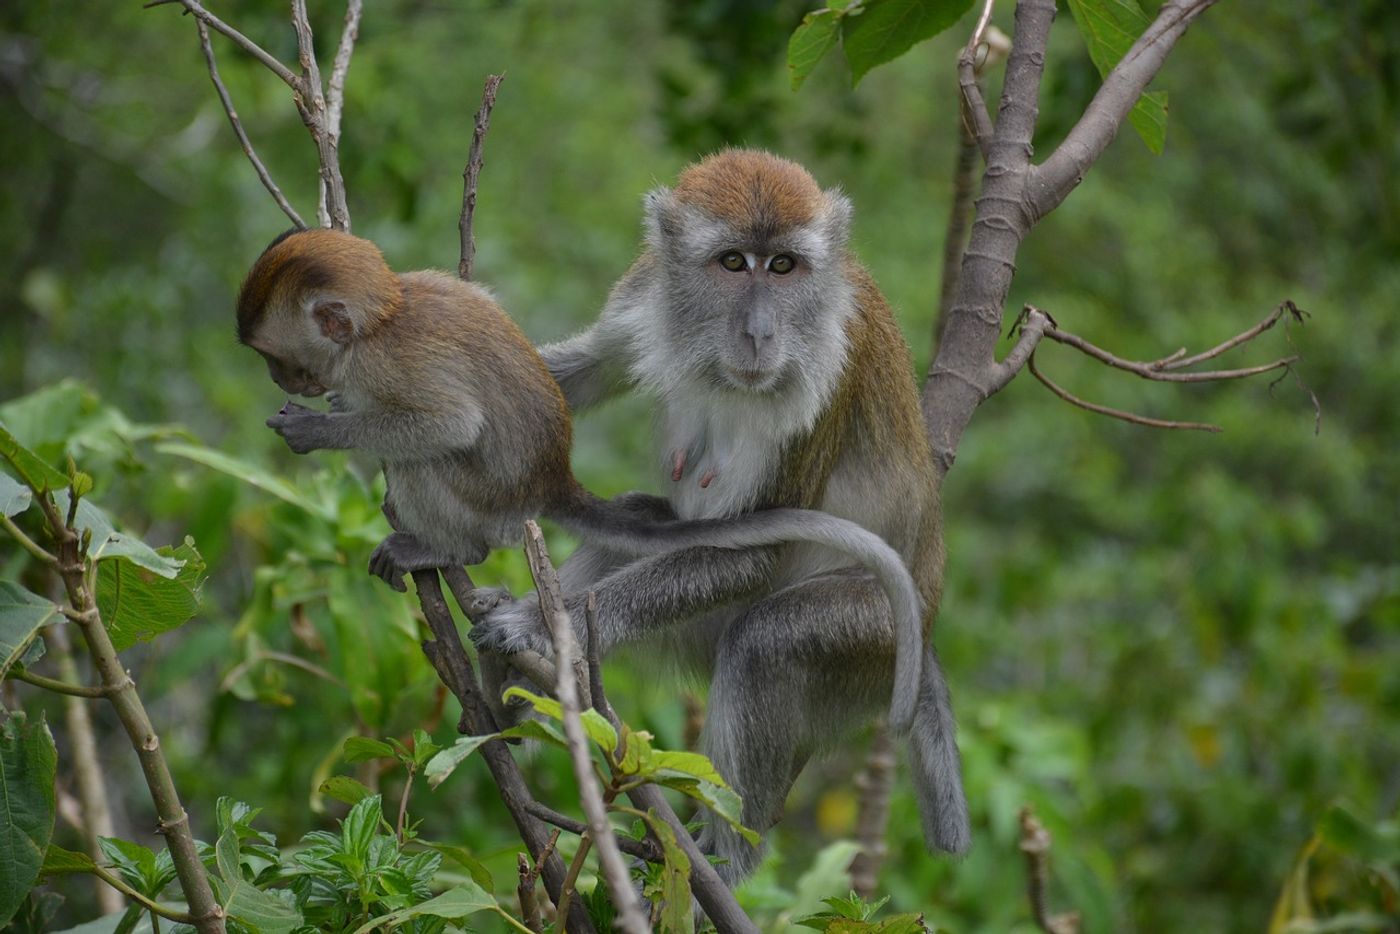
column 512, row 626
column 303, row 429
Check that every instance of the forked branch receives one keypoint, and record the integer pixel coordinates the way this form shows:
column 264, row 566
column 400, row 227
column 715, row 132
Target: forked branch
column 1034, row 323
column 472, row 173
column 1035, row 846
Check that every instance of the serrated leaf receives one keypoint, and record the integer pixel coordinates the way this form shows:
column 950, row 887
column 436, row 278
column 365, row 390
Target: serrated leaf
column 260, row 911
column 27, row 766
column 1109, row 28
column 445, row 763
column 365, row 748
column 456, row 903
column 886, row 29
column 251, row 474
column 15, row 497
column 360, row 825
column 32, row 470
column 423, row 748
column 135, row 863
column 344, row 788
column 813, row 38
column 723, row 801
column 22, row 615
column 138, row 604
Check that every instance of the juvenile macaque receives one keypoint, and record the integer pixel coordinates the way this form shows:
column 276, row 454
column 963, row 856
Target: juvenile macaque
column 781, row 380
column 432, row 377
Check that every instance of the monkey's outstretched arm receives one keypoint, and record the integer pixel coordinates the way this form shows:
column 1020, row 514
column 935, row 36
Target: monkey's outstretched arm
column 388, row 434
column 592, row 367
column 639, row 598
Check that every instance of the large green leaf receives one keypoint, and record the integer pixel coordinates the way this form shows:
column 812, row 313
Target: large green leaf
column 22, row 615
column 27, row 764
column 456, row 903
column 15, row 497
column 444, row 763
column 1109, row 28
column 883, row 30
column 31, row 469
column 58, row 861
column 251, row 474
column 69, row 419
column 810, row 42
column 252, row 907
column 107, row 542
column 599, row 730
column 677, row 914
column 137, row 604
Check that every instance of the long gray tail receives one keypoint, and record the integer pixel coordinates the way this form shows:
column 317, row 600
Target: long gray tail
column 937, row 767
column 604, row 523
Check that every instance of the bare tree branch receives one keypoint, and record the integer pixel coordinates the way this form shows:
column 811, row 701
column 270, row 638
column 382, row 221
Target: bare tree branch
column 568, row 664
column 873, row 785
column 263, row 175
column 332, row 211
column 977, row 125
column 642, row 849
column 1118, row 94
column 472, row 173
column 1035, row 845
column 335, row 89
column 1117, row 413
column 248, row 45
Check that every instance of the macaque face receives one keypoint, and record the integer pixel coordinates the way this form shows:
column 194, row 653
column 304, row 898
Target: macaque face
column 294, row 379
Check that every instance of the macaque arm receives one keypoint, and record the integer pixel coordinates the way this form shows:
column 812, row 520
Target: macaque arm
column 388, row 434
column 592, row 367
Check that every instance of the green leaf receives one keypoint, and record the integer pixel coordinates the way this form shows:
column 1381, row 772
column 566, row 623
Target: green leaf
column 22, row 615
column 27, row 765
column 365, row 748
column 260, row 911
column 464, row 858
column 810, row 42
column 138, row 604
column 107, row 542
column 453, row 905
column 32, row 470
column 445, row 762
column 599, row 730
column 344, row 788
column 1379, row 843
column 135, row 863
column 423, row 748
column 536, row 729
column 15, row 497
column 724, row 801
column 360, row 826
column 108, row 924
column 251, row 474
column 1109, row 28
column 58, row 861
column 886, row 29
column 676, row 911
column 691, row 764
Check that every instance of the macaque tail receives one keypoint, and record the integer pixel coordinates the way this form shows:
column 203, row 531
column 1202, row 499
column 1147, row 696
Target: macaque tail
column 936, row 764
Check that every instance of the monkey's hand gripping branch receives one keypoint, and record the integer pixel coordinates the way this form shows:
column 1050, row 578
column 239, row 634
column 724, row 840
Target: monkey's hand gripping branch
column 1033, row 324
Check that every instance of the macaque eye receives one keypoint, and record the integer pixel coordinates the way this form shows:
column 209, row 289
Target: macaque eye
column 782, row 264
column 733, row 261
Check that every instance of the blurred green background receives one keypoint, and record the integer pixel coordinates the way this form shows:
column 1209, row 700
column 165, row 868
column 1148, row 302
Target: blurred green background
column 1181, row 648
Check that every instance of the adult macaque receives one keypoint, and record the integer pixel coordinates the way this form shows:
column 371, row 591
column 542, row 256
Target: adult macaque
column 432, row 377
column 782, row 381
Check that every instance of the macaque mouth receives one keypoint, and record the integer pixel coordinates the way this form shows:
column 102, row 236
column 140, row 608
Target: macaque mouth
column 751, row 379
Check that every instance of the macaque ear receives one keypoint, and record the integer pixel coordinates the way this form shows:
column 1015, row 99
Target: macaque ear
column 334, row 321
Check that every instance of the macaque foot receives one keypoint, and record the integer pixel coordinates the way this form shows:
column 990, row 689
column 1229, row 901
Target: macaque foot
column 302, row 428
column 401, row 554
column 512, row 626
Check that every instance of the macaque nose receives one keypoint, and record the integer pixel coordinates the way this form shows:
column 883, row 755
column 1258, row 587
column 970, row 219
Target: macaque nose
column 759, row 329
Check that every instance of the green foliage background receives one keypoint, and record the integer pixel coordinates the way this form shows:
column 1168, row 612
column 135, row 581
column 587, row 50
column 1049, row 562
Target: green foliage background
column 1180, row 648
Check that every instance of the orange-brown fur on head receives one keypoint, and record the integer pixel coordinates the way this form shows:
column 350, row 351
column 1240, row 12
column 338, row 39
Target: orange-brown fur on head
column 301, row 263
column 753, row 190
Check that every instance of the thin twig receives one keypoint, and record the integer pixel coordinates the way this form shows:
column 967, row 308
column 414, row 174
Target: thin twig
column 60, row 687
column 263, row 175
column 1179, row 359
column 335, row 89
column 873, row 785
column 248, row 45
column 585, row 843
column 332, row 210
column 614, row 870
column 525, row 892
column 1117, row 413
column 25, row 542
column 1035, row 844
column 642, row 849
column 716, row 898
column 472, row 172
column 450, row 660
column 1166, row 373
column 403, row 806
